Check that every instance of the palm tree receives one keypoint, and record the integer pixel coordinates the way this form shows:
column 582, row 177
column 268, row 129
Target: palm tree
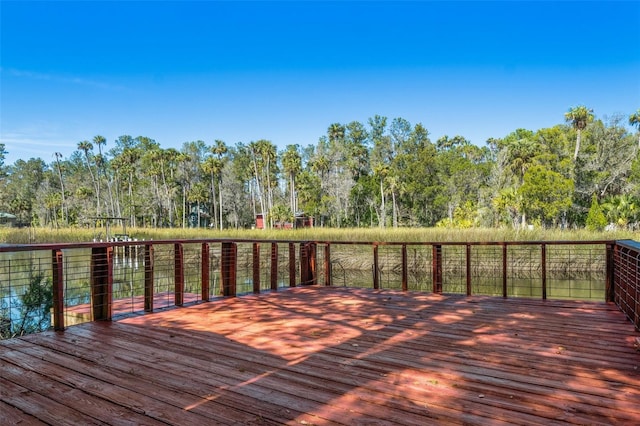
column 254, row 150
column 99, row 141
column 292, row 164
column 219, row 149
column 336, row 132
column 125, row 163
column 263, row 154
column 579, row 117
column 320, row 162
column 169, row 161
column 64, row 203
column 270, row 155
column 86, row 146
column 634, row 120
column 197, row 194
column 520, row 154
column 213, row 167
column 621, row 209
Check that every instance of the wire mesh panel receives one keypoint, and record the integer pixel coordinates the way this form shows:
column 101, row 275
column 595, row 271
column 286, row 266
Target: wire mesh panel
column 25, row 293
column 390, row 267
column 77, row 286
column 192, row 264
column 419, row 268
column 294, row 264
column 244, row 277
column 320, row 262
column 215, row 257
column 486, row 271
column 164, row 276
column 282, row 270
column 627, row 281
column 351, row 265
column 576, row 271
column 128, row 279
column 454, row 269
column 262, row 268
column 277, row 271
column 524, row 271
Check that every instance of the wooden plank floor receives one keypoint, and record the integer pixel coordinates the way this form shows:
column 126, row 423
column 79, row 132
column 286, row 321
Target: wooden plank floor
column 78, row 314
column 320, row 356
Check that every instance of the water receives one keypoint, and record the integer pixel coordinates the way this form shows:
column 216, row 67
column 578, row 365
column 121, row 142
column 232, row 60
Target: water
column 590, row 287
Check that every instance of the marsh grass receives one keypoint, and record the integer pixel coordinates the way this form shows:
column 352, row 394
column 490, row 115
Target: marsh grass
column 409, row 235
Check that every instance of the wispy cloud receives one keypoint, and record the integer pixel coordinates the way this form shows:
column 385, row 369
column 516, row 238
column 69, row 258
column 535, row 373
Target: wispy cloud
column 36, row 142
column 33, row 75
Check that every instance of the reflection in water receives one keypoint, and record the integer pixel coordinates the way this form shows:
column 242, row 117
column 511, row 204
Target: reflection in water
column 587, row 286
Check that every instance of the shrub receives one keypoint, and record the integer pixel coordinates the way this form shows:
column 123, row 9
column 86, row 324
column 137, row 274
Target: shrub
column 596, row 221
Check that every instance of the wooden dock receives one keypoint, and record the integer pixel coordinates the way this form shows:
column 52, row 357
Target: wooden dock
column 325, row 355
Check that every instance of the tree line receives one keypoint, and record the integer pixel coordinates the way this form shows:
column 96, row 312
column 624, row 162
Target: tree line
column 383, row 173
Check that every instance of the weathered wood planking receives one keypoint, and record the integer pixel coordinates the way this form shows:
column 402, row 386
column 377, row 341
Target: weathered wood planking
column 318, row 355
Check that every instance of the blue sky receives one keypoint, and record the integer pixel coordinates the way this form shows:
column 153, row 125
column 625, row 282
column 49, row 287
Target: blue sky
column 284, row 71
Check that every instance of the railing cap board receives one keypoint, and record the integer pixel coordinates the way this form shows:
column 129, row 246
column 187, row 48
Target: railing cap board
column 635, row 245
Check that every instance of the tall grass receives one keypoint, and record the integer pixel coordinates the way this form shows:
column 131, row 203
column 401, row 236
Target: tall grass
column 410, row 235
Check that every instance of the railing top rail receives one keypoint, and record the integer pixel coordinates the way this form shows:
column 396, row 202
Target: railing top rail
column 477, row 243
column 635, row 245
column 79, row 245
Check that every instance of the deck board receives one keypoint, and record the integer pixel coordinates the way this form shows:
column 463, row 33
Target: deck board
column 318, row 355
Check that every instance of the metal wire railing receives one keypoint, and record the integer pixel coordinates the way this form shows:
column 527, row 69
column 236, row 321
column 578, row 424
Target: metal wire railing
column 43, row 286
column 626, row 288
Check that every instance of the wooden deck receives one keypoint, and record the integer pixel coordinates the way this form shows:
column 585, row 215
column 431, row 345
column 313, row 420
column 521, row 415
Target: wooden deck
column 79, row 314
column 320, row 356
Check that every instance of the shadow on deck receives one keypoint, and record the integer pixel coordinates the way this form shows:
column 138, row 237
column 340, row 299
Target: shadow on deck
column 318, row 355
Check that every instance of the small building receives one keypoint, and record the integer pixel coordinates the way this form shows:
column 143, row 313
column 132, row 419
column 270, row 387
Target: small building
column 7, row 219
column 301, row 221
column 259, row 221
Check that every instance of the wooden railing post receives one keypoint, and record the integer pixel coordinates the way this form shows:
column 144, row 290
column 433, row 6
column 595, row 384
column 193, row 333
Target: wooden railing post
column 504, row 270
column 327, row 265
column 621, row 272
column 313, row 263
column 148, row 278
column 308, row 263
column 610, row 290
column 292, row 265
column 376, row 268
column 468, row 259
column 256, row 267
column 58, row 289
column 274, row 266
column 205, row 265
column 228, row 268
column 405, row 284
column 178, row 260
column 543, row 264
column 437, row 268
column 101, row 282
column 304, row 264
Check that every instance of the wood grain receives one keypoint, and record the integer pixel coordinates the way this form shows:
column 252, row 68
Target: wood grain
column 326, row 355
